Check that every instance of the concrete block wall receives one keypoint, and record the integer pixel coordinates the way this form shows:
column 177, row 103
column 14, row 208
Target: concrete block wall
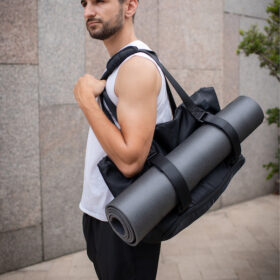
column 243, row 76
column 20, row 190
column 43, row 131
column 44, row 48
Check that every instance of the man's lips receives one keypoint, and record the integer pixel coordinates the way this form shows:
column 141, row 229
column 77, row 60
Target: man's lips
column 92, row 22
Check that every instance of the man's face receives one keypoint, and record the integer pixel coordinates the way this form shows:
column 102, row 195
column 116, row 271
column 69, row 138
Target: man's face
column 103, row 17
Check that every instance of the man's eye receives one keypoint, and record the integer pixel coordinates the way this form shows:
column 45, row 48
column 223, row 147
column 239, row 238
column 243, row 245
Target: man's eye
column 83, row 3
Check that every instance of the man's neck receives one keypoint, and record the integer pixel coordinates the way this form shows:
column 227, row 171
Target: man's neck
column 116, row 42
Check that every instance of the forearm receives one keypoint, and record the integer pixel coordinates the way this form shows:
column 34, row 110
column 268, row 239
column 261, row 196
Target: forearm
column 110, row 138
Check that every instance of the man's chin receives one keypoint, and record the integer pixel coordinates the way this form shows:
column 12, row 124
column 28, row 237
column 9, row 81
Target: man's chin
column 96, row 36
column 99, row 35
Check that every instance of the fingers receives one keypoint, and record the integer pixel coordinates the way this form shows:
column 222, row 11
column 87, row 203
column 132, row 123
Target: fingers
column 103, row 82
column 89, row 84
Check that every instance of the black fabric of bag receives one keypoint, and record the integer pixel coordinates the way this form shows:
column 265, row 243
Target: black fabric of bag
column 196, row 110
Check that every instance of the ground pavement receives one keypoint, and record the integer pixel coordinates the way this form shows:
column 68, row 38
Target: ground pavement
column 239, row 242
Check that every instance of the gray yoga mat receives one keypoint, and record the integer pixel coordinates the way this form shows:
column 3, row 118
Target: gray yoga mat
column 138, row 209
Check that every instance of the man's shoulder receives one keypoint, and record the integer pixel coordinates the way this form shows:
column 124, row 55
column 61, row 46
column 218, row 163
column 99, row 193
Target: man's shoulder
column 137, row 62
column 138, row 72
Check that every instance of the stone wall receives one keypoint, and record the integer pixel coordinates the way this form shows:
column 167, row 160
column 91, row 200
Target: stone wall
column 243, row 76
column 44, row 48
column 43, row 131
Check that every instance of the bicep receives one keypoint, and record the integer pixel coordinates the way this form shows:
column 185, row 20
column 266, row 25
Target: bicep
column 137, row 88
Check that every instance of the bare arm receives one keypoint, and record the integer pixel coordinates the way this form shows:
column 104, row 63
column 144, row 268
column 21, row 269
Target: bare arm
column 137, row 86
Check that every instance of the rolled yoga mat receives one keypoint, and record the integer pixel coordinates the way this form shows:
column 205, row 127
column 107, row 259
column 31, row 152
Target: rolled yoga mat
column 138, row 209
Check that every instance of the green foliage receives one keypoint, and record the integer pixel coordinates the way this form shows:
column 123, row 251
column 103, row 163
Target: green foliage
column 273, row 116
column 267, row 47
column 273, row 167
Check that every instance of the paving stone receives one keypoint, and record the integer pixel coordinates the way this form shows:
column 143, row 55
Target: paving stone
column 76, row 271
column 61, row 55
column 20, row 204
column 12, row 276
column 226, row 260
column 35, row 275
column 205, row 262
column 60, row 269
column 18, row 29
column 167, row 272
column 40, row 267
column 246, row 274
column 269, row 276
column 62, row 163
column 171, row 249
column 81, row 259
column 219, row 274
column 262, row 266
column 189, row 269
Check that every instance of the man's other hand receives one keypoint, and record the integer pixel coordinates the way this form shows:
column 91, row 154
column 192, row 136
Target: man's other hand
column 87, row 88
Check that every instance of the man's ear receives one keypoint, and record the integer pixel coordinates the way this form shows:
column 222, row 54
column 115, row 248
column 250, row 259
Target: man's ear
column 130, row 8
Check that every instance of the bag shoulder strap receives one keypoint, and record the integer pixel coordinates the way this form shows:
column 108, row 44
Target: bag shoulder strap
column 197, row 112
column 119, row 57
column 113, row 63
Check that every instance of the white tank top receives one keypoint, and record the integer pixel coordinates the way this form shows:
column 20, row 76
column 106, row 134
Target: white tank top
column 96, row 194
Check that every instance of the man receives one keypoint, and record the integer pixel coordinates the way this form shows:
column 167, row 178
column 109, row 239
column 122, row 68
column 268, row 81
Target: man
column 138, row 89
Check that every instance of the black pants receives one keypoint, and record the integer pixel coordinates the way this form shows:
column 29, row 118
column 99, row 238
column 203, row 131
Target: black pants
column 113, row 259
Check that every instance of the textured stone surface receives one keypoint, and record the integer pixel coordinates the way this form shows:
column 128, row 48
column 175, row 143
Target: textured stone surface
column 259, row 148
column 254, row 8
column 63, row 134
column 192, row 80
column 255, row 81
column 20, row 248
column 191, row 34
column 146, row 23
column 96, row 56
column 61, row 49
column 217, row 205
column 18, row 31
column 20, row 202
column 231, row 59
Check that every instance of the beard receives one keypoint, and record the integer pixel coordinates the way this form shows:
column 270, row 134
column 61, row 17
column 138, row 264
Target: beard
column 108, row 28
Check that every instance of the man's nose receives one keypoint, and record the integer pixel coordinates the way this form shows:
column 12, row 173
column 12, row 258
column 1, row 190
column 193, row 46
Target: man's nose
column 89, row 11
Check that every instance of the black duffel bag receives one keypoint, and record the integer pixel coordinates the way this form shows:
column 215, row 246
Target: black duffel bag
column 196, row 110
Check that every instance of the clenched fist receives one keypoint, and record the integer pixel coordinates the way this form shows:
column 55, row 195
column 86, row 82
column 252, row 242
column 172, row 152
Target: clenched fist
column 87, row 88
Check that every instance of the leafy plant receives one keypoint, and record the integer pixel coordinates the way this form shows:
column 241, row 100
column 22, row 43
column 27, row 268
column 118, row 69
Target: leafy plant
column 273, row 167
column 266, row 46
